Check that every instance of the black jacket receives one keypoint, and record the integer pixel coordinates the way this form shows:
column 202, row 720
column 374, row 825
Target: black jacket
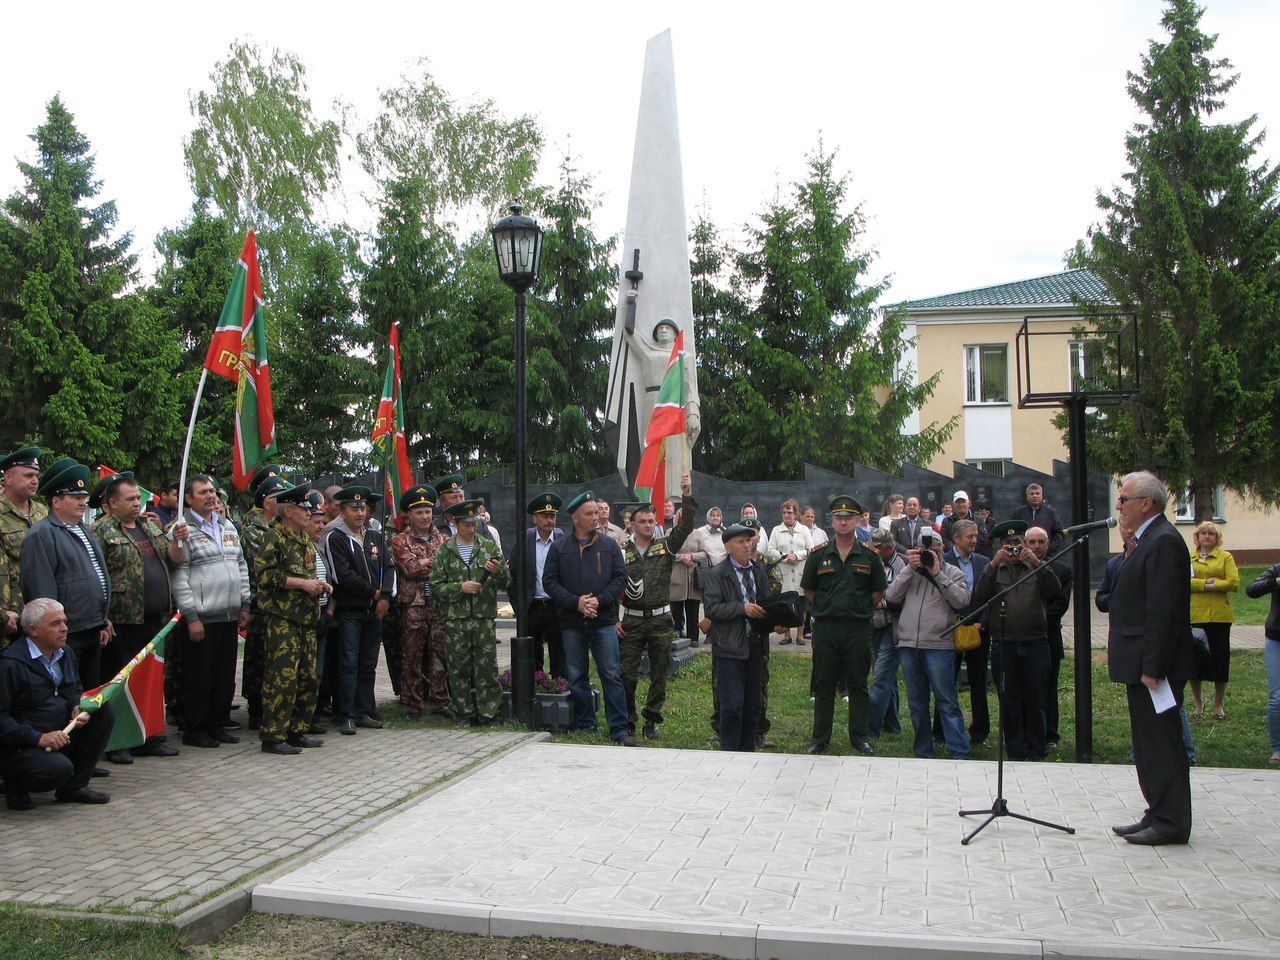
column 901, row 530
column 597, row 568
column 1020, row 616
column 1150, row 610
column 722, row 599
column 1264, row 584
column 1046, row 518
column 30, row 705
column 356, row 574
column 55, row 565
column 1057, row 608
column 531, row 559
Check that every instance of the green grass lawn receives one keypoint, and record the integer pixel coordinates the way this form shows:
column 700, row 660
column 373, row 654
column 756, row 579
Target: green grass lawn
column 1247, row 611
column 25, row 936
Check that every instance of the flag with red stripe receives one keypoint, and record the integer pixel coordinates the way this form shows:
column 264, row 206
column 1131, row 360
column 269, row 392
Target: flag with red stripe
column 389, row 442
column 668, row 419
column 136, row 694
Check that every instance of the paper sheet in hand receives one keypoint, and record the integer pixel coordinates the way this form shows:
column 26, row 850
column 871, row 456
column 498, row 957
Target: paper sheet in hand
column 1162, row 697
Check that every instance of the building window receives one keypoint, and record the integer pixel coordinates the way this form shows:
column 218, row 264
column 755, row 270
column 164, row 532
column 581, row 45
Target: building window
column 994, row 467
column 1084, row 363
column 986, row 373
column 1187, row 506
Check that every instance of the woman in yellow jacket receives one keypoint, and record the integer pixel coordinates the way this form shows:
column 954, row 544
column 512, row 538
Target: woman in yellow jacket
column 1214, row 578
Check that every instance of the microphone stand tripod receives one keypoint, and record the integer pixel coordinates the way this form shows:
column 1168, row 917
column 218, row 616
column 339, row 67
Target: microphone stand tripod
column 1000, row 806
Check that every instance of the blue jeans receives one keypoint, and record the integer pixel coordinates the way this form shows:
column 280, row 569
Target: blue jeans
column 358, row 643
column 934, row 670
column 1272, row 654
column 882, row 699
column 601, row 642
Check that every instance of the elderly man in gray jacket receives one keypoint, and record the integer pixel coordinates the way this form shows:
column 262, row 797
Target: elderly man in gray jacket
column 211, row 588
column 930, row 594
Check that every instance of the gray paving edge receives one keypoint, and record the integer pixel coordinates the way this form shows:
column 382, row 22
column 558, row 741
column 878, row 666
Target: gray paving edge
column 744, row 941
column 211, row 918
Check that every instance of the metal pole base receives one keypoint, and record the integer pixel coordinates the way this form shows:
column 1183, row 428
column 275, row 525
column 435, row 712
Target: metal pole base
column 1000, row 808
column 522, row 699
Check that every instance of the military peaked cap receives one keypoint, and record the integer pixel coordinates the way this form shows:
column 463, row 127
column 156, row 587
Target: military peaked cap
column 295, row 495
column 544, row 503
column 264, row 472
column 845, row 506
column 358, row 495
column 270, row 487
column 453, row 483
column 104, row 486
column 468, row 511
column 26, row 457
column 63, row 477
column 1007, row 529
column 422, row 495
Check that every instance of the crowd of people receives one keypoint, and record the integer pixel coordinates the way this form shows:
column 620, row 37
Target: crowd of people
column 317, row 589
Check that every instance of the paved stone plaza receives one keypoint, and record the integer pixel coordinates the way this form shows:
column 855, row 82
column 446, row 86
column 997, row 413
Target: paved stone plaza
column 180, row 829
column 790, row 856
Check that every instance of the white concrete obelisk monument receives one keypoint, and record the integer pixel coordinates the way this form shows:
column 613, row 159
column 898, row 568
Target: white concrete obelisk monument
column 655, row 298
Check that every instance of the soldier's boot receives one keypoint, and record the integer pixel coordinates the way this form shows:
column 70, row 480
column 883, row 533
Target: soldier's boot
column 279, row 748
column 650, row 730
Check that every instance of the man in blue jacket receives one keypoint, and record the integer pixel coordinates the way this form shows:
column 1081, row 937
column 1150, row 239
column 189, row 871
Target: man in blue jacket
column 585, row 575
column 39, row 693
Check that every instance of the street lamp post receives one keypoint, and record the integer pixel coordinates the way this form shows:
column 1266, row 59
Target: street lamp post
column 517, row 244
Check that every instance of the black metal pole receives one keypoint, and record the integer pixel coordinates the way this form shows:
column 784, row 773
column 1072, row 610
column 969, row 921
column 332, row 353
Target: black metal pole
column 1080, row 578
column 522, row 645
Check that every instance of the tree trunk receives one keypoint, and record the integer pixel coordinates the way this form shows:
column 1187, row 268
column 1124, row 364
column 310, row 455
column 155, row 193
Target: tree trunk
column 1203, row 490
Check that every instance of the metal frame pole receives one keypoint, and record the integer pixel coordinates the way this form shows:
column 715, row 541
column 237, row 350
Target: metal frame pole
column 522, row 646
column 1080, row 575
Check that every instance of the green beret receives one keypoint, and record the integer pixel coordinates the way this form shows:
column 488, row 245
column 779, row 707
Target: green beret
column 453, row 483
column 359, row 496
column 423, row 495
column 544, row 503
column 845, row 506
column 737, row 530
column 64, row 476
column 751, row 523
column 99, row 494
column 25, row 457
column 466, row 511
column 295, row 495
column 585, row 497
column 1008, row 528
column 264, row 472
column 270, row 487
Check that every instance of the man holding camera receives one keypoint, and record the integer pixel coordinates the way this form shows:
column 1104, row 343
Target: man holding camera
column 1019, row 636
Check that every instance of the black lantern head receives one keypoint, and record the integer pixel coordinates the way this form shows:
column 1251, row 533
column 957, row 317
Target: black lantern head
column 517, row 243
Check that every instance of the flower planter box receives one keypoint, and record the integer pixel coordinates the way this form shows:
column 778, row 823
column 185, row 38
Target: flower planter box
column 553, row 711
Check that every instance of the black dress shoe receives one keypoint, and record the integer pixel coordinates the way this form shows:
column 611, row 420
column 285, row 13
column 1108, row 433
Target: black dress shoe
column 119, row 756
column 317, row 729
column 101, row 772
column 302, row 740
column 155, row 750
column 199, row 739
column 1151, row 837
column 369, row 723
column 650, row 730
column 626, row 740
column 280, row 748
column 764, row 743
column 348, row 728
column 1130, row 829
column 222, row 737
column 18, row 800
column 814, row 746
column 82, row 795
column 232, row 725
column 865, row 749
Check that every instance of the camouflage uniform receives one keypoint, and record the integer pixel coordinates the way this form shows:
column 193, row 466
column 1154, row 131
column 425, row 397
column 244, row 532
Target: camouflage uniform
column 289, row 633
column 253, row 533
column 13, row 527
column 648, row 588
column 468, row 624
column 425, row 643
column 124, row 564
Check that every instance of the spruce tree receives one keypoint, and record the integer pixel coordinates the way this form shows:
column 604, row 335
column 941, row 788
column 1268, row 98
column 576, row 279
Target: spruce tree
column 1189, row 244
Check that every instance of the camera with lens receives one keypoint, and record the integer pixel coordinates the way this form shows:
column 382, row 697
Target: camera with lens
column 1014, row 548
column 927, row 537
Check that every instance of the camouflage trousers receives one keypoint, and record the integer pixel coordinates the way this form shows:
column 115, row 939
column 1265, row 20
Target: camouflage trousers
column 763, row 726
column 654, row 635
column 251, row 676
column 425, row 648
column 288, row 678
column 473, row 666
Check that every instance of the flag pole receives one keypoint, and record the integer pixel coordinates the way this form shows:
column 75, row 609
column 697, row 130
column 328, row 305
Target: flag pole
column 186, row 449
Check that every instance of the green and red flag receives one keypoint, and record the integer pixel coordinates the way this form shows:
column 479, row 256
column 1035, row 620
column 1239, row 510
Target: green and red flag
column 238, row 352
column 389, row 443
column 147, row 496
column 668, row 419
column 136, row 694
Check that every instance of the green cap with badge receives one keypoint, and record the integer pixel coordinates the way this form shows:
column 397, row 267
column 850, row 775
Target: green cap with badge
column 544, row 503
column 24, row 457
column 421, row 495
column 585, row 497
column 64, row 477
column 356, row 496
column 295, row 496
column 270, row 487
column 1009, row 530
column 99, row 495
column 845, row 506
column 264, row 472
column 467, row 511
column 453, row 483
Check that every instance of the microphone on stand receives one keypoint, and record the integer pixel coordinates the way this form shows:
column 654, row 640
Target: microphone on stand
column 1095, row 525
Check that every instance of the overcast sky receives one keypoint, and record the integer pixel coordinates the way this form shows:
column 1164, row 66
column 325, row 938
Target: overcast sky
column 976, row 134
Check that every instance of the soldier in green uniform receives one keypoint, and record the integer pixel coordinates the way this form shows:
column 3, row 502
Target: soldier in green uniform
column 645, row 608
column 843, row 581
column 266, row 483
column 19, row 509
column 465, row 577
column 288, row 598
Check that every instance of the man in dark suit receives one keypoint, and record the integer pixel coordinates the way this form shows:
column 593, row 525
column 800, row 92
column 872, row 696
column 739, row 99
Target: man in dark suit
column 543, row 623
column 1149, row 650
column 1036, row 513
column 906, row 529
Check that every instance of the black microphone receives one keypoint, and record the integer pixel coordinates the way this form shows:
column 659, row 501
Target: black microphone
column 1095, row 525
